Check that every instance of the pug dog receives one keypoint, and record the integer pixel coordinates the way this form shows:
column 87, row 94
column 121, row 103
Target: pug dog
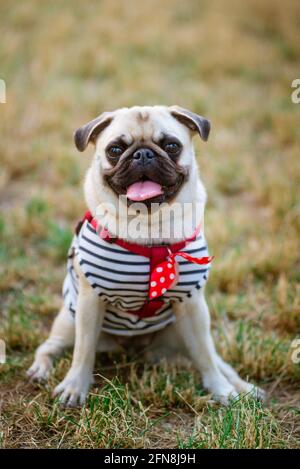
column 145, row 285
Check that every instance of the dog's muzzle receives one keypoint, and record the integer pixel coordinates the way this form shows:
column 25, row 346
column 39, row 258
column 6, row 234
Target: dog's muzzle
column 146, row 175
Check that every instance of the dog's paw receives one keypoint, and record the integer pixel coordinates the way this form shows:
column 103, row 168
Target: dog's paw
column 241, row 386
column 257, row 393
column 249, row 389
column 40, row 369
column 73, row 390
column 225, row 392
column 221, row 389
column 226, row 396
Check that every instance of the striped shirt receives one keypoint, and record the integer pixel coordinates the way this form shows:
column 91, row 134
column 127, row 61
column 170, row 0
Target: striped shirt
column 121, row 279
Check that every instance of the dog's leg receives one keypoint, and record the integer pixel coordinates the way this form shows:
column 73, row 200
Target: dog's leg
column 193, row 325
column 61, row 336
column 88, row 320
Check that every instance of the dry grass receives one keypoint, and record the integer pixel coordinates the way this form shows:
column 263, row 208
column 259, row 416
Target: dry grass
column 63, row 63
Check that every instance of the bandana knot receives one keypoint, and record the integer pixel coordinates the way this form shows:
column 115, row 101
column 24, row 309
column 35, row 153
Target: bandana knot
column 165, row 274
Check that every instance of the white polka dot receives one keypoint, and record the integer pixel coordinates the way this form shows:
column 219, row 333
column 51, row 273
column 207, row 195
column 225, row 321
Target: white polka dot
column 154, row 293
column 163, row 290
column 159, row 269
column 162, row 279
column 153, row 284
column 172, row 276
column 169, row 266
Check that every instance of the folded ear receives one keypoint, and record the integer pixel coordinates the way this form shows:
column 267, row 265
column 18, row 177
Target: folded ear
column 88, row 132
column 191, row 120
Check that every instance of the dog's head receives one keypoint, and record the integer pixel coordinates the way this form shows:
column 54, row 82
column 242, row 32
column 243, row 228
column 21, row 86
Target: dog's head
column 145, row 153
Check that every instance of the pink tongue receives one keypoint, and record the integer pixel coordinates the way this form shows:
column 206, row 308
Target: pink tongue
column 143, row 190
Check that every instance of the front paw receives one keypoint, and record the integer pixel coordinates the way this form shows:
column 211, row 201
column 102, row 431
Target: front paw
column 225, row 390
column 40, row 369
column 73, row 390
column 248, row 389
column 221, row 389
column 257, row 393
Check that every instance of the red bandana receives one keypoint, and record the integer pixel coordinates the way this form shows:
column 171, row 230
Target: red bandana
column 165, row 274
column 163, row 265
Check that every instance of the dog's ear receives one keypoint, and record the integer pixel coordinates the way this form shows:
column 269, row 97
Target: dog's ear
column 88, row 132
column 191, row 120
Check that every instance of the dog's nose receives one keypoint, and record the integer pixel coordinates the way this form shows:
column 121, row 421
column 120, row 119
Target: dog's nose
column 143, row 155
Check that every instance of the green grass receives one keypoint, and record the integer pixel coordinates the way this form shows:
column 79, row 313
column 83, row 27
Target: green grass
column 244, row 424
column 65, row 62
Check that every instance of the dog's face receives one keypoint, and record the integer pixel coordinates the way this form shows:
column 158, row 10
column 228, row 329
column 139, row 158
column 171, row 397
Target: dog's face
column 145, row 153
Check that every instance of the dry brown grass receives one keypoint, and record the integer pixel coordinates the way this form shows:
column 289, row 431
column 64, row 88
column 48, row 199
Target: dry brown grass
column 64, row 62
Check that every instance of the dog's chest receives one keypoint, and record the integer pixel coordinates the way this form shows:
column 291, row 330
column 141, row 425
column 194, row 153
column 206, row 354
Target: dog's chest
column 121, row 277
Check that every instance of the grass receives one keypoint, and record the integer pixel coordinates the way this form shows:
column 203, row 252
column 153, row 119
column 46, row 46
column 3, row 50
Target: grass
column 65, row 62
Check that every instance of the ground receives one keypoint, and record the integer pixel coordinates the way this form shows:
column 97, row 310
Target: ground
column 65, row 62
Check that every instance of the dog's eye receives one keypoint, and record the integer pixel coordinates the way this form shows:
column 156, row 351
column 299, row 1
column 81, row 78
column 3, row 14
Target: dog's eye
column 115, row 151
column 172, row 148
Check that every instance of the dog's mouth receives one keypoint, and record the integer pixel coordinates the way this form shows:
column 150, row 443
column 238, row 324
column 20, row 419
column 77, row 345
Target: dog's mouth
column 144, row 189
column 148, row 191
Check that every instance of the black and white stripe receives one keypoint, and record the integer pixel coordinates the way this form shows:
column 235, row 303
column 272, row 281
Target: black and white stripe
column 121, row 278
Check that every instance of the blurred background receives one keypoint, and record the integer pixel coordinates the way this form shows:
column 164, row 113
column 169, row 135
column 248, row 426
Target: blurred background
column 64, row 62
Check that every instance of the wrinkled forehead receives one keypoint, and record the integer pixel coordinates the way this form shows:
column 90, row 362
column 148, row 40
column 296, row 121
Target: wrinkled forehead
column 144, row 124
